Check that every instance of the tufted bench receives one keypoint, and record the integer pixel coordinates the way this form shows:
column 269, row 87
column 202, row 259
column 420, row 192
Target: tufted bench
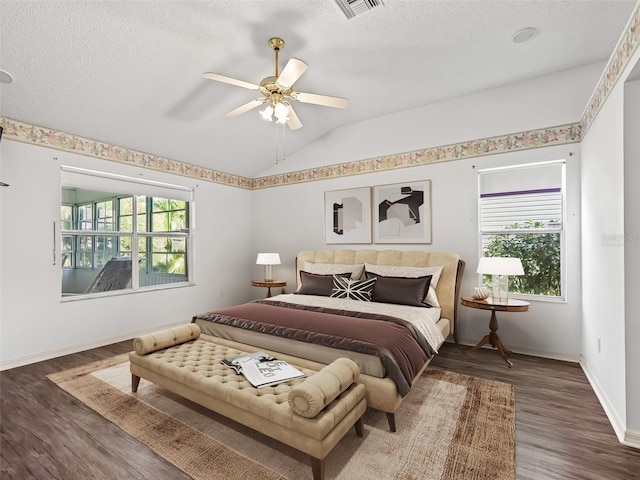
column 311, row 415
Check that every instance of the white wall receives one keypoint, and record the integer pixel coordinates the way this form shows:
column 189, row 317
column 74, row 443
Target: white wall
column 632, row 250
column 290, row 218
column 35, row 324
column 610, row 211
column 603, row 259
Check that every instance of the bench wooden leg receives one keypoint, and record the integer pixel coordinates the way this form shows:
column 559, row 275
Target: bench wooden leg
column 135, row 381
column 391, row 418
column 359, row 429
column 317, row 467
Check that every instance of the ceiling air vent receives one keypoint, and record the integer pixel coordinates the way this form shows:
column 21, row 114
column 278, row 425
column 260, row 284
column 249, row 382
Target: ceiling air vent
column 351, row 8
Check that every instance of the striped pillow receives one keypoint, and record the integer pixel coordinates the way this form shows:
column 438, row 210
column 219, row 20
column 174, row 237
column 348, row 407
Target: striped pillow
column 353, row 289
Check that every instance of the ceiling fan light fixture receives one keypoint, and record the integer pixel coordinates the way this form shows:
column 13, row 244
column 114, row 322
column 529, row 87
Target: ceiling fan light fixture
column 281, row 112
column 267, row 113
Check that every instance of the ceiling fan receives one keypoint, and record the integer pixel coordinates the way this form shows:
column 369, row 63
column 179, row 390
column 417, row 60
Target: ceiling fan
column 278, row 90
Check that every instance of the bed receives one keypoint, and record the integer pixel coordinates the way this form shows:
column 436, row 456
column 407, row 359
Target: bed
column 409, row 309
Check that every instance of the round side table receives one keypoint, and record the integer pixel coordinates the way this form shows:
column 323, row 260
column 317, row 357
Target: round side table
column 268, row 284
column 512, row 305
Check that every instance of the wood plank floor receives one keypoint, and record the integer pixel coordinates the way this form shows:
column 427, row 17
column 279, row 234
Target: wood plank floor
column 561, row 429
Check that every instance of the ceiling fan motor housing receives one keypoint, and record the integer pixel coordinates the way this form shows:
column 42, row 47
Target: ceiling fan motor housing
column 269, row 87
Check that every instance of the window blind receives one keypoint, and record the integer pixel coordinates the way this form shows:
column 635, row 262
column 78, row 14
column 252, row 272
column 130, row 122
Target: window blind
column 517, row 195
column 499, row 211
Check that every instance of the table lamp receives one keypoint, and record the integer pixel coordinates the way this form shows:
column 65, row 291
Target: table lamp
column 268, row 259
column 500, row 268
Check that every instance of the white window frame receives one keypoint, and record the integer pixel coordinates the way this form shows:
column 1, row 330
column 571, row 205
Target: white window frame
column 562, row 230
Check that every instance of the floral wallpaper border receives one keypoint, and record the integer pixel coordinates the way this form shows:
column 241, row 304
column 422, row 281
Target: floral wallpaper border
column 570, row 133
column 47, row 137
column 559, row 135
column 617, row 63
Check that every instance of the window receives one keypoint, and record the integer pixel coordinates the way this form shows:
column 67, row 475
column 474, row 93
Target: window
column 522, row 216
column 67, row 245
column 109, row 224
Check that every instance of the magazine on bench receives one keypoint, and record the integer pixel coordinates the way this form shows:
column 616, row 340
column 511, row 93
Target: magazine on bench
column 262, row 370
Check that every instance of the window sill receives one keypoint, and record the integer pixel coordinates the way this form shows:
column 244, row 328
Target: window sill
column 538, row 298
column 72, row 297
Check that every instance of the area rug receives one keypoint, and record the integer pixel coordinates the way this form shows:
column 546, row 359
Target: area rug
column 450, row 426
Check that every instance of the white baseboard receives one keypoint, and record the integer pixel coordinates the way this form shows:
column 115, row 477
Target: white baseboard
column 626, row 437
column 631, row 438
column 47, row 355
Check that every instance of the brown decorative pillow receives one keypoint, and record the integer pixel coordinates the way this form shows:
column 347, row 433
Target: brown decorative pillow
column 316, row 284
column 411, row 272
column 400, row 290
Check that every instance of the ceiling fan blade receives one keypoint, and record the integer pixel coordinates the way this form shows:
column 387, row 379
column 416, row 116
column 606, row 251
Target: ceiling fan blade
column 294, row 122
column 325, row 100
column 232, row 81
column 245, row 108
column 292, row 71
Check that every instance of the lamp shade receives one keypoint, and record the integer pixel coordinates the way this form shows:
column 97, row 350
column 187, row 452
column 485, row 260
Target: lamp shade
column 500, row 266
column 268, row 259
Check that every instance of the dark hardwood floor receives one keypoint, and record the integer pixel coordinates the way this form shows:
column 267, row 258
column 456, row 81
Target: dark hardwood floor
column 561, row 429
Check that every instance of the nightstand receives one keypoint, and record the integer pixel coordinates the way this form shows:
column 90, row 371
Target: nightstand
column 512, row 305
column 268, row 284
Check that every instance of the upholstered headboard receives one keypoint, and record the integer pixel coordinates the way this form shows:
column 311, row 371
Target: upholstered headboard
column 448, row 286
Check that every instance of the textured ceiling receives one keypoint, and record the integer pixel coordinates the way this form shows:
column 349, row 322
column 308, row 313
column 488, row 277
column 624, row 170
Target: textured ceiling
column 130, row 73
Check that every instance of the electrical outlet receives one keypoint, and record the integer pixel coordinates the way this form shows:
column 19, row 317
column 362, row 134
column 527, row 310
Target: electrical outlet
column 598, row 344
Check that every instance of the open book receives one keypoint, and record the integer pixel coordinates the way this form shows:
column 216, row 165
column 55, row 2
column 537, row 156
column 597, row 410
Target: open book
column 262, row 370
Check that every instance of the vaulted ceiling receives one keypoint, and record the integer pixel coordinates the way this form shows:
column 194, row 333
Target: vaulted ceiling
column 130, row 72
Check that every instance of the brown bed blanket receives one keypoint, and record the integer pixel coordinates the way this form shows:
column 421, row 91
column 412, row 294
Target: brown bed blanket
column 400, row 348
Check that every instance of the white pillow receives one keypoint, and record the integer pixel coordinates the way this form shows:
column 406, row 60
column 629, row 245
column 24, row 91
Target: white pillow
column 411, row 272
column 334, row 268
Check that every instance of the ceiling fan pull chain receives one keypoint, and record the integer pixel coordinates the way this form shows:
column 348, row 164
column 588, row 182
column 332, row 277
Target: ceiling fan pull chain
column 284, row 142
column 276, row 125
column 284, row 135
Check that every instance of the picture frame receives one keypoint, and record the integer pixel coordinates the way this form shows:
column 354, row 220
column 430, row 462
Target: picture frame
column 347, row 216
column 402, row 212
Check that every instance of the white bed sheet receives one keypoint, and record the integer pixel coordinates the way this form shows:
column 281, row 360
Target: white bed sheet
column 423, row 319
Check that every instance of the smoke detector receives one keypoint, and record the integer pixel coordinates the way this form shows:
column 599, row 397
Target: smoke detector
column 352, row 8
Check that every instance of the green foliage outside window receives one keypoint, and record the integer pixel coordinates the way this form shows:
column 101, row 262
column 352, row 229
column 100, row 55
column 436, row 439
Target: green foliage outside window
column 168, row 254
column 540, row 256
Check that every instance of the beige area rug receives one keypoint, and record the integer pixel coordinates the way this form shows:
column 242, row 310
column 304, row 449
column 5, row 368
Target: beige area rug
column 450, row 426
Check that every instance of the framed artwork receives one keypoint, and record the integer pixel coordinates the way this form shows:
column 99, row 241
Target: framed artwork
column 402, row 212
column 347, row 215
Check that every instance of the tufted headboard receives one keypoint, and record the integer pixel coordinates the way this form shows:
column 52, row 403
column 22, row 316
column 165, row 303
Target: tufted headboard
column 448, row 286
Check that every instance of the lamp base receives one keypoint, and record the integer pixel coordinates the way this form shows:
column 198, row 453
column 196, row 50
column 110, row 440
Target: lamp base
column 500, row 288
column 268, row 273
